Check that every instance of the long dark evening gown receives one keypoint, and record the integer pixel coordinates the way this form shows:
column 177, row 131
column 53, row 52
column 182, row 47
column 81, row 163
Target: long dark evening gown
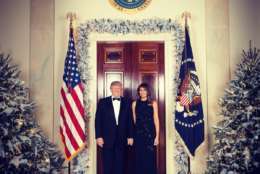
column 145, row 151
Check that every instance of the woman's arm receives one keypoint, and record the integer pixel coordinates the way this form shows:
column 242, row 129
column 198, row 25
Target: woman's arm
column 133, row 111
column 156, row 122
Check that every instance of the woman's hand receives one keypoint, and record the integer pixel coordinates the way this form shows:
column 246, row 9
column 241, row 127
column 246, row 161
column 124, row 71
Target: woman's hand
column 130, row 141
column 156, row 141
column 100, row 142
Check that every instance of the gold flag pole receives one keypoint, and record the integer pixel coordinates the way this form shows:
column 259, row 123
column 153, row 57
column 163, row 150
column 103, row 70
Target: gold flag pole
column 71, row 17
column 187, row 15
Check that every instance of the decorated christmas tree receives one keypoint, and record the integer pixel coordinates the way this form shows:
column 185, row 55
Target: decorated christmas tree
column 23, row 146
column 237, row 148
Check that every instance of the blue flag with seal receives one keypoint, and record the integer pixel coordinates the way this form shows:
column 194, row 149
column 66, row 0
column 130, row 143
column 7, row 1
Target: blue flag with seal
column 189, row 119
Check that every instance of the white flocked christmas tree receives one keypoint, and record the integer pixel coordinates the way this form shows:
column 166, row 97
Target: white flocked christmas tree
column 237, row 148
column 23, row 147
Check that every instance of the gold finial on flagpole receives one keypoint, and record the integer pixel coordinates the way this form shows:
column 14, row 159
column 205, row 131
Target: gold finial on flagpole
column 71, row 16
column 186, row 15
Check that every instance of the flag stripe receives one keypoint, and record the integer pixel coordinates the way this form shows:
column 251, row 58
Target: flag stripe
column 66, row 139
column 72, row 126
column 68, row 131
column 75, row 108
column 75, row 93
column 81, row 88
column 79, row 93
column 72, row 116
column 78, row 96
column 67, row 153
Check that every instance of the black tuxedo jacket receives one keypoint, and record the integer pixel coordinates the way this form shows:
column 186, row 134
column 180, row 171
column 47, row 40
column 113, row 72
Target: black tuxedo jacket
column 105, row 122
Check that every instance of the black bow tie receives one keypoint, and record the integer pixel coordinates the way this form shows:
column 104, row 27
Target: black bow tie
column 116, row 99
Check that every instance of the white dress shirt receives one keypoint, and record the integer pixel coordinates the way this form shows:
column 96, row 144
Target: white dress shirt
column 116, row 106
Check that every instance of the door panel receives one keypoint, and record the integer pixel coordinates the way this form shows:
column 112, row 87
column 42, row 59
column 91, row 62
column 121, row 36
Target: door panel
column 133, row 63
column 110, row 77
column 150, row 78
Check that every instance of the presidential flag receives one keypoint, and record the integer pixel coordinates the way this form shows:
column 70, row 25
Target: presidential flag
column 72, row 125
column 189, row 119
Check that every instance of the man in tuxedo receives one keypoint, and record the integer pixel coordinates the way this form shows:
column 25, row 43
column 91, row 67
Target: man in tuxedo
column 114, row 129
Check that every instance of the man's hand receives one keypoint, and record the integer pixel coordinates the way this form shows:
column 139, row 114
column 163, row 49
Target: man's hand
column 100, row 142
column 130, row 141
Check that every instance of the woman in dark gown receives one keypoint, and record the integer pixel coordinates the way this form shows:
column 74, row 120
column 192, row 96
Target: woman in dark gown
column 145, row 115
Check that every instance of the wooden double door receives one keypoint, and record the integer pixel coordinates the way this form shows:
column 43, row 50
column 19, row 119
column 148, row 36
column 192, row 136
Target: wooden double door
column 133, row 63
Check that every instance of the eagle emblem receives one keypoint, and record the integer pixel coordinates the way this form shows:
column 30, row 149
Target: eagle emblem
column 189, row 94
column 130, row 5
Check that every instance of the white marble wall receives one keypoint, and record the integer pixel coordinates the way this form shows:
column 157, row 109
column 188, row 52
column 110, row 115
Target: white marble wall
column 42, row 63
column 218, row 55
column 244, row 19
column 15, row 33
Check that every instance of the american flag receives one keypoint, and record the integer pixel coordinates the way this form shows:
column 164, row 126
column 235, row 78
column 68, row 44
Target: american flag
column 72, row 125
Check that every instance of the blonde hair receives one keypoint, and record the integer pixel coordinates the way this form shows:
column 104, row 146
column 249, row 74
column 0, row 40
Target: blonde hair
column 116, row 83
